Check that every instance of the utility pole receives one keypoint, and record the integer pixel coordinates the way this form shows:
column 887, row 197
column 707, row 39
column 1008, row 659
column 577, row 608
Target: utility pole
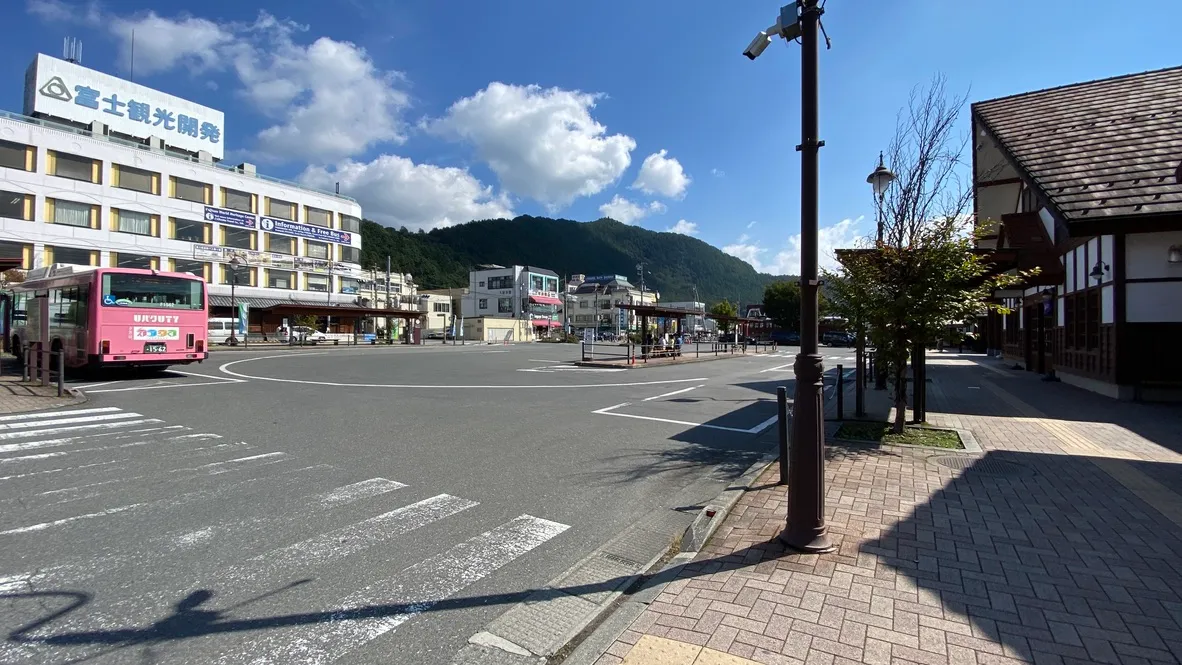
column 806, row 530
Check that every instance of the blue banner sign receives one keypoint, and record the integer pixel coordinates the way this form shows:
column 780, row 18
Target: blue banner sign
column 304, row 230
column 231, row 217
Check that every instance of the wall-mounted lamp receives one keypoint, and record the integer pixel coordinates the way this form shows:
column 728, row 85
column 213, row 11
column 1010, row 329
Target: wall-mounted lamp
column 1099, row 270
column 1175, row 255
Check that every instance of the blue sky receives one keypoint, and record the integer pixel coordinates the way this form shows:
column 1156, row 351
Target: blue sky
column 437, row 112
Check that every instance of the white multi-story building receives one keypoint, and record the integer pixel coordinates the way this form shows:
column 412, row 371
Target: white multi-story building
column 100, row 171
column 695, row 322
column 595, row 304
column 514, row 292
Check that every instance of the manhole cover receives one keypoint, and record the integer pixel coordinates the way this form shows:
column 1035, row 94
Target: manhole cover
column 986, row 465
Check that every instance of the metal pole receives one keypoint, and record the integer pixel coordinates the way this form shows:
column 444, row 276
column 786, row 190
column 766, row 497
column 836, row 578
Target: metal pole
column 806, row 530
column 387, row 296
column 840, row 393
column 234, row 307
column 860, row 376
column 27, row 370
column 782, row 422
column 61, row 372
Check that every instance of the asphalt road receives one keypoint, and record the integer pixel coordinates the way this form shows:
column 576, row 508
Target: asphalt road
column 366, row 505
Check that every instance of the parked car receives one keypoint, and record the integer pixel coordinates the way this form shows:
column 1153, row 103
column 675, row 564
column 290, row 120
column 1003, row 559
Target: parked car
column 219, row 330
column 301, row 335
column 787, row 337
column 837, row 338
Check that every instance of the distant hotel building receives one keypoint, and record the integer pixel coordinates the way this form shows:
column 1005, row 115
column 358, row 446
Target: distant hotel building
column 100, row 171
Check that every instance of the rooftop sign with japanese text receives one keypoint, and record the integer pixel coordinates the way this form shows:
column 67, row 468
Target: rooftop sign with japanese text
column 65, row 90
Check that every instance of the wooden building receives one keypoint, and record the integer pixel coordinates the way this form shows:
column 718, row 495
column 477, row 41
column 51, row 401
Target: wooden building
column 1084, row 182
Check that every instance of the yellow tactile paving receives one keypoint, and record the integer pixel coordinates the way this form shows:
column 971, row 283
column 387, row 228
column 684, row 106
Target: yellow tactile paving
column 650, row 650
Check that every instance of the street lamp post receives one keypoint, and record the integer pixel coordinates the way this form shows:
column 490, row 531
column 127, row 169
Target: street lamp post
column 805, row 530
column 235, row 263
column 880, row 179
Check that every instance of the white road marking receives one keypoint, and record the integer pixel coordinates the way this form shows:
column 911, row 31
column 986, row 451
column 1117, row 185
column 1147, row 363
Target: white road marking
column 338, row 544
column 675, row 392
column 198, row 437
column 221, row 382
column 336, row 384
column 54, row 414
column 69, row 421
column 361, row 490
column 777, row 368
column 52, row 443
column 611, row 411
column 74, row 428
column 235, row 464
column 87, row 386
column 414, row 590
column 46, row 525
column 207, row 376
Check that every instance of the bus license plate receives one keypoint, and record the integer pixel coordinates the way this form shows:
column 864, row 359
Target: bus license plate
column 155, row 348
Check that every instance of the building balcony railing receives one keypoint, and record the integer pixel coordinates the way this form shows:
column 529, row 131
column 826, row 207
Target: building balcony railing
column 49, row 124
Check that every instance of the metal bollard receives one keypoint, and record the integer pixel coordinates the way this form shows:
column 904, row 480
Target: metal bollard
column 27, row 370
column 782, row 422
column 840, row 393
column 61, row 373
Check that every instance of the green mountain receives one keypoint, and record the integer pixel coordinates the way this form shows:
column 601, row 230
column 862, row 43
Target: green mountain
column 443, row 257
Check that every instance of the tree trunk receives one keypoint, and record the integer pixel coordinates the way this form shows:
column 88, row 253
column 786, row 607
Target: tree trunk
column 899, row 367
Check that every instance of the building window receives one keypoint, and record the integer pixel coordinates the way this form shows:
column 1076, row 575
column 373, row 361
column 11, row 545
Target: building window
column 497, row 283
column 318, row 283
column 15, row 205
column 124, row 260
column 246, row 274
column 280, row 244
column 318, row 250
column 71, row 213
column 350, row 223
column 126, row 177
column 15, row 250
column 238, row 238
column 318, row 217
column 280, row 279
column 127, row 221
column 350, row 254
column 1092, row 298
column 189, row 231
column 504, row 305
column 191, row 190
column 71, row 255
column 18, row 156
column 441, row 307
column 74, row 167
column 190, row 266
column 281, row 209
column 236, row 200
column 482, row 303
column 350, row 285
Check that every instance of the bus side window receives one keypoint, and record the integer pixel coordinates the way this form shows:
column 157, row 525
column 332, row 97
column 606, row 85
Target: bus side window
column 82, row 305
column 19, row 301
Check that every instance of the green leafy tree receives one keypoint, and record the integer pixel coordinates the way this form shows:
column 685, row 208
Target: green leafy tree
column 724, row 308
column 925, row 273
column 781, row 303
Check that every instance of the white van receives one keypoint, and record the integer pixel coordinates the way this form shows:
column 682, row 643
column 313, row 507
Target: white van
column 219, row 330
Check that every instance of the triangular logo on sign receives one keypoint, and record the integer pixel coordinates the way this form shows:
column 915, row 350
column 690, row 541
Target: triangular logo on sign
column 56, row 88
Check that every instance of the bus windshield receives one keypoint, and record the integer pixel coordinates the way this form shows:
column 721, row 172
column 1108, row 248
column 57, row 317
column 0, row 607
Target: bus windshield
column 152, row 291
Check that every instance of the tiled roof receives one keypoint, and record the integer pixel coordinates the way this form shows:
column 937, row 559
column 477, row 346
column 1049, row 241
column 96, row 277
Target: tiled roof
column 1102, row 149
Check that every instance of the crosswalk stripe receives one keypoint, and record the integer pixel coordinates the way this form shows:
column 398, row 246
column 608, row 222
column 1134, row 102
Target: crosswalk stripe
column 75, row 428
column 361, row 535
column 215, row 468
column 69, row 421
column 323, row 637
column 54, row 414
column 50, row 443
column 361, row 490
column 46, row 525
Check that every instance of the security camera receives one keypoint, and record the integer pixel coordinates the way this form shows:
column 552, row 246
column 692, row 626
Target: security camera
column 757, row 45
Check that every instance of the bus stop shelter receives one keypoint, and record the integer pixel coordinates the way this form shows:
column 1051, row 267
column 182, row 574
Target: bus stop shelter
column 267, row 315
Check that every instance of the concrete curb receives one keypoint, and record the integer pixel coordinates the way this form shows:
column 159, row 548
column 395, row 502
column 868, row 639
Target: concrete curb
column 966, row 438
column 553, row 626
column 78, row 397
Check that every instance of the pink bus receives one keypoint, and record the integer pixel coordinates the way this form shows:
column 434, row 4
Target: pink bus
column 112, row 317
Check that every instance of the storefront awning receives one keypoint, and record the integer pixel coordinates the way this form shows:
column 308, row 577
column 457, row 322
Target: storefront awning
column 544, row 323
column 545, row 300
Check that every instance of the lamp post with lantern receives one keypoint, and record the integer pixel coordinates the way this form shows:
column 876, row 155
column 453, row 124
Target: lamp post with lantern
column 879, row 180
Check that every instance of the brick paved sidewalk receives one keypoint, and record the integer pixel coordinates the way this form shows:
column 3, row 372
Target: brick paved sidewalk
column 17, row 396
column 1060, row 544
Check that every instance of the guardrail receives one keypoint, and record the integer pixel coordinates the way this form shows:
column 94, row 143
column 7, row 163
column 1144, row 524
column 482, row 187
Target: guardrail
column 43, row 361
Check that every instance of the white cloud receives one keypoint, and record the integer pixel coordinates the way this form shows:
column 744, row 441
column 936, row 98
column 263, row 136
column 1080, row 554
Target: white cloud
column 685, row 228
column 662, row 175
column 327, row 99
column 625, row 211
column 541, row 143
column 786, row 261
column 718, row 173
column 397, row 192
column 751, row 224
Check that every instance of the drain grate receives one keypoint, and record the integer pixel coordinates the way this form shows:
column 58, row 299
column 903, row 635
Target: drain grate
column 985, row 465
